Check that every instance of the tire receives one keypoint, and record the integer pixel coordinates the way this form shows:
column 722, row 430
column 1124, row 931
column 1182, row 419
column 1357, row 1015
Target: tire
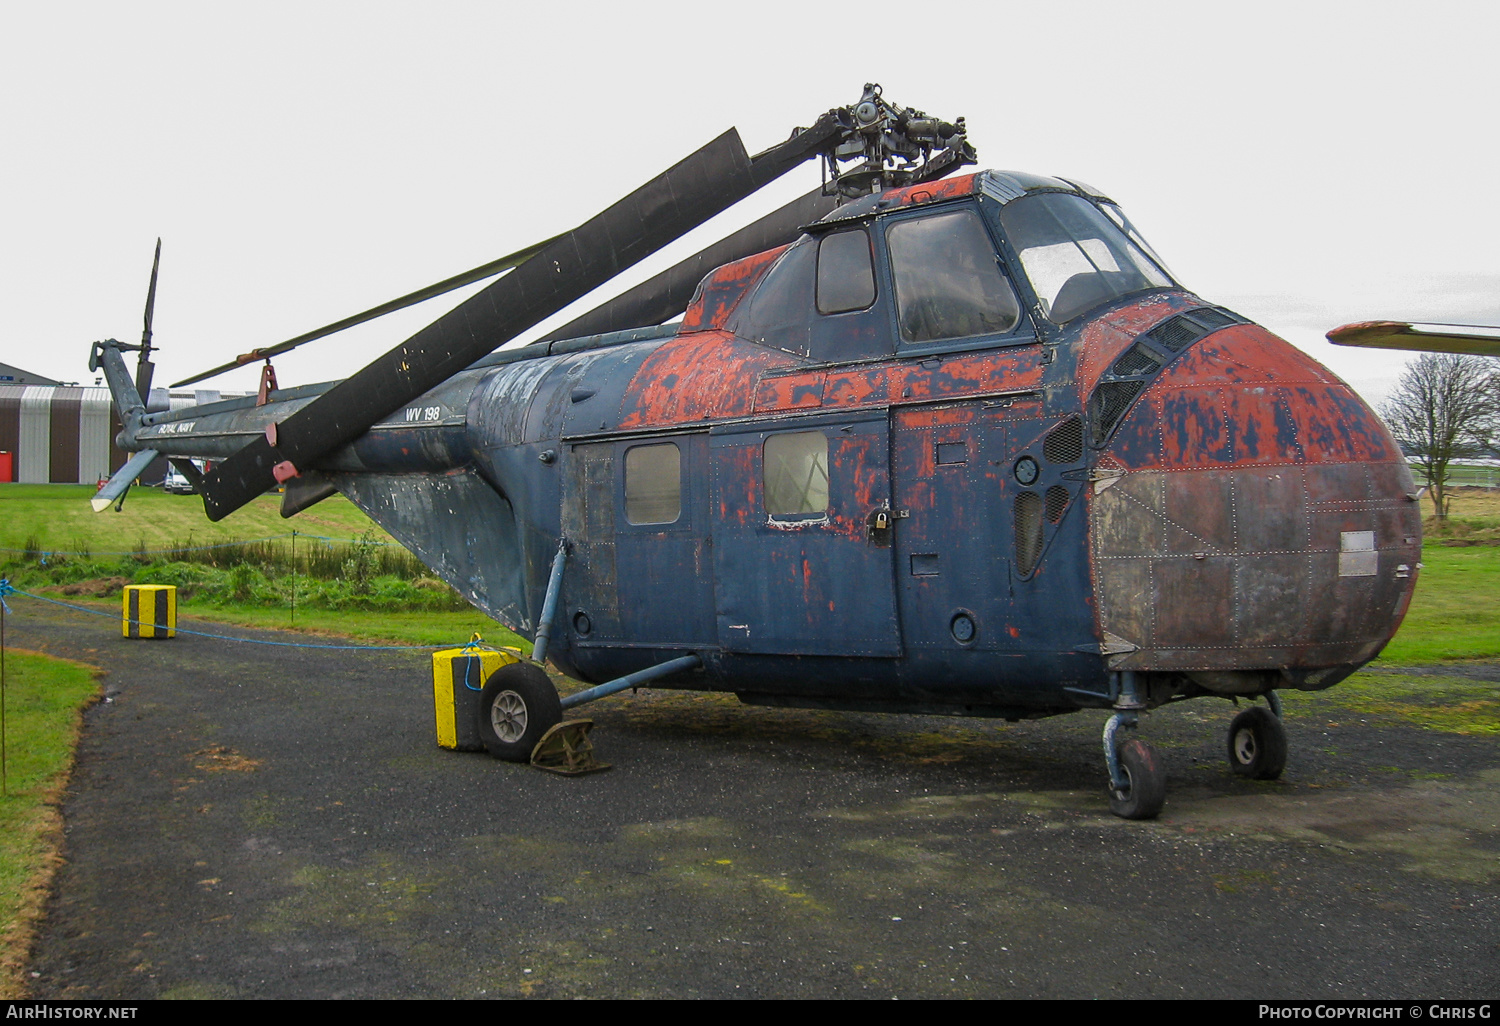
column 1146, row 791
column 518, row 705
column 1257, row 744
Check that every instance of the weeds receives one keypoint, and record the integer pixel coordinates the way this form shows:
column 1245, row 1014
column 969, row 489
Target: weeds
column 363, row 574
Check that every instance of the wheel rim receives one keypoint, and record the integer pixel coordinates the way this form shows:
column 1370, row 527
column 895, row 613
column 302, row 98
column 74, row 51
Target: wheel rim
column 1244, row 746
column 508, row 716
column 1122, row 794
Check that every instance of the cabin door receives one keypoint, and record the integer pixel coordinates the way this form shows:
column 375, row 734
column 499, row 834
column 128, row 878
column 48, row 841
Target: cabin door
column 802, row 534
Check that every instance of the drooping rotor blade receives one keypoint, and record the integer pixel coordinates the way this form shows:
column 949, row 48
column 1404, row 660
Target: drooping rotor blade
column 119, row 484
column 664, row 296
column 1474, row 339
column 458, row 281
column 144, row 367
column 704, row 184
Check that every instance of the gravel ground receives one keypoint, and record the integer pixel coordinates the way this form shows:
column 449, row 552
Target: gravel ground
column 254, row 821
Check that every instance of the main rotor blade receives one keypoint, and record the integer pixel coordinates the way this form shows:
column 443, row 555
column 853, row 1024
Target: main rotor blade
column 704, row 184
column 660, row 298
column 458, row 281
column 1473, row 339
column 707, row 182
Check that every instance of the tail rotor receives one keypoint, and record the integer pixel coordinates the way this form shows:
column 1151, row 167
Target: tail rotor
column 144, row 367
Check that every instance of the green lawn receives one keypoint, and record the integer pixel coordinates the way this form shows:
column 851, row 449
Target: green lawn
column 1455, row 613
column 44, row 699
column 60, row 517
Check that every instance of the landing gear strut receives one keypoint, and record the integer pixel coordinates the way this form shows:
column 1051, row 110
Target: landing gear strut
column 1137, row 782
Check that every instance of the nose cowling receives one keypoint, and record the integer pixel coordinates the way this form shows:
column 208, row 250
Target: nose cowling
column 1253, row 523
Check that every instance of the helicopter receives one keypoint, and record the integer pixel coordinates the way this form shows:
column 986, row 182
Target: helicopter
column 917, row 442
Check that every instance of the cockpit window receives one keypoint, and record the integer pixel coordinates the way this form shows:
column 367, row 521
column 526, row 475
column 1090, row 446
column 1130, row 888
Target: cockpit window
column 1076, row 257
column 948, row 283
column 1117, row 215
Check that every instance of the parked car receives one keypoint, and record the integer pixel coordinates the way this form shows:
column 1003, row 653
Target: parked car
column 176, row 483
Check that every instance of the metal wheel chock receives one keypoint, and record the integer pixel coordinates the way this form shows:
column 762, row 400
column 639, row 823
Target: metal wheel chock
column 566, row 749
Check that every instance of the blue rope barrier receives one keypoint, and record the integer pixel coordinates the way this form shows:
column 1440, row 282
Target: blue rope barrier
column 226, row 637
column 474, row 645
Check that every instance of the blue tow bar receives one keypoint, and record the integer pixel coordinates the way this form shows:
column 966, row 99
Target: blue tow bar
column 631, row 680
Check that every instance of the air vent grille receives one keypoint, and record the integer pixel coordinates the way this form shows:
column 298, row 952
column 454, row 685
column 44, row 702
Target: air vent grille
column 1176, row 334
column 1057, row 502
column 1065, row 443
column 1133, row 371
column 1135, row 361
column 1109, row 403
column 1213, row 319
column 1028, row 532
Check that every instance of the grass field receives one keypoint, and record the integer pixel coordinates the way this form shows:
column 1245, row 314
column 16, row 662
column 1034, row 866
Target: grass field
column 44, row 699
column 60, row 517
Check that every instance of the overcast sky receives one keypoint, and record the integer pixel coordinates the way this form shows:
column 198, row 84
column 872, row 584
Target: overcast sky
column 1305, row 164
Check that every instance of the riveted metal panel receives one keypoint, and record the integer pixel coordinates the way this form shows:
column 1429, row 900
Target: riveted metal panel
column 814, row 584
column 459, row 526
column 1258, row 516
column 588, row 522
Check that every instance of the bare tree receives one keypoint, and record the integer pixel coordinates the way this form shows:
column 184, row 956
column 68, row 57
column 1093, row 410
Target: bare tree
column 1444, row 409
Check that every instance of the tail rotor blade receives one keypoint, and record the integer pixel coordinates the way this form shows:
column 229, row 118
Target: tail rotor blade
column 119, row 484
column 144, row 367
column 151, row 297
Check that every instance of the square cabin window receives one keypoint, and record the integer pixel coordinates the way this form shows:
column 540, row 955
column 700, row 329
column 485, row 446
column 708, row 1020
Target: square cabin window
column 948, row 284
column 796, row 473
column 653, row 484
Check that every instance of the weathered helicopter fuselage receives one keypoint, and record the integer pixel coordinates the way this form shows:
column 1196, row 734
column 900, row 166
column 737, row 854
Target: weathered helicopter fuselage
column 958, row 449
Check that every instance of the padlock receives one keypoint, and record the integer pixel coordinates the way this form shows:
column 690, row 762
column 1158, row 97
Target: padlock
column 882, row 520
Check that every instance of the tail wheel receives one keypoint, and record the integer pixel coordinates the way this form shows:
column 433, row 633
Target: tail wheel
column 518, row 705
column 1257, row 744
column 1145, row 789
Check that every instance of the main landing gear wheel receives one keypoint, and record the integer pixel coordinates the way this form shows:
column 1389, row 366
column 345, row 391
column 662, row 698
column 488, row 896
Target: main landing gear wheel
column 518, row 705
column 1257, row 744
column 1145, row 789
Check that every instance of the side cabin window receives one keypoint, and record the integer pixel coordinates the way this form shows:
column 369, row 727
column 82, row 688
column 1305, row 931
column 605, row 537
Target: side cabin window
column 782, row 306
column 795, row 466
column 846, row 272
column 949, row 284
column 653, row 484
column 820, row 300
column 1075, row 257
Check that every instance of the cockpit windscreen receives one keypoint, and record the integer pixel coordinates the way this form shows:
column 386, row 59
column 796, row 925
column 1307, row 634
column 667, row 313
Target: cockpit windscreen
column 1075, row 257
